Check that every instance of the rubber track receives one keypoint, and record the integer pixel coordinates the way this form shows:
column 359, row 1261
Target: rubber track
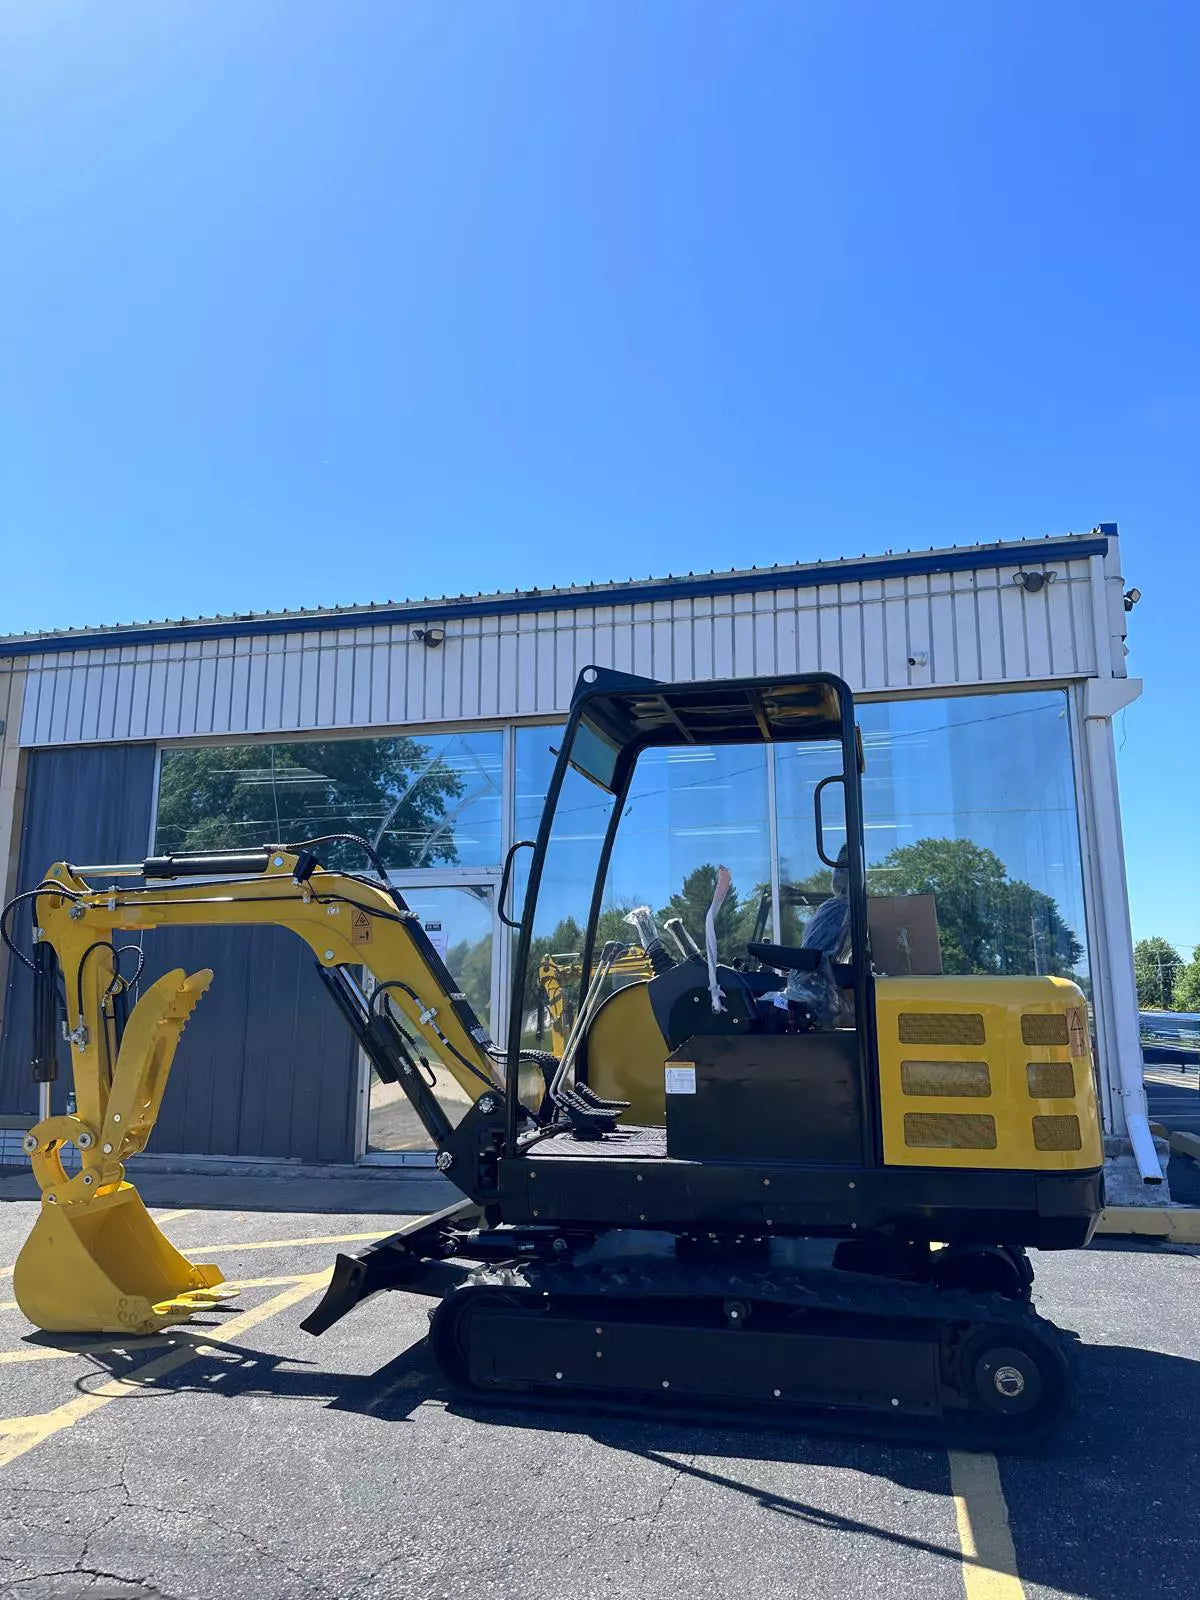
column 887, row 1300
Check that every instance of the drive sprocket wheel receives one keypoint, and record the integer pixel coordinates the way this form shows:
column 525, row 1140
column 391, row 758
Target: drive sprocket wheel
column 1015, row 1381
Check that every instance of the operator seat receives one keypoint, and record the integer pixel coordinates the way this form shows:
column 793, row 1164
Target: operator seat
column 828, row 934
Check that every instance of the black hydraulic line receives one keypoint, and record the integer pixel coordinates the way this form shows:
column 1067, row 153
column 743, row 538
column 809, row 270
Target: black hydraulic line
column 100, row 944
column 126, row 984
column 362, row 844
column 107, row 1017
column 427, row 1021
column 389, row 1053
column 120, row 1016
column 45, row 887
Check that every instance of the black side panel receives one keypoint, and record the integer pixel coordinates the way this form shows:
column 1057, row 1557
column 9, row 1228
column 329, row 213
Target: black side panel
column 266, row 1065
column 768, row 1097
column 85, row 804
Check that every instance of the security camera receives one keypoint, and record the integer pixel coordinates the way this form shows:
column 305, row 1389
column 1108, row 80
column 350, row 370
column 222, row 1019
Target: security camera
column 1033, row 582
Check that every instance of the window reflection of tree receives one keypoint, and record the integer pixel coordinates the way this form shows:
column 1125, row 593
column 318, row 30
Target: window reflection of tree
column 402, row 792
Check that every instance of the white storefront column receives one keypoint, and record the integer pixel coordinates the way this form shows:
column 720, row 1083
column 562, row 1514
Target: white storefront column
column 1114, row 985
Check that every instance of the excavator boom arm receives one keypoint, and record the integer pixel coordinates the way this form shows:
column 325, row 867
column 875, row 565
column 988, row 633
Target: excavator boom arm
column 348, row 922
column 93, row 1232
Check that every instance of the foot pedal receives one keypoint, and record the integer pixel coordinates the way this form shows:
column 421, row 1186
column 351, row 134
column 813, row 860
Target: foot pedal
column 613, row 1107
column 587, row 1122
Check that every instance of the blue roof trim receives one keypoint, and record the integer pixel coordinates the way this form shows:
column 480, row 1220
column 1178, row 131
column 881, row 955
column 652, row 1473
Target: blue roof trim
column 973, row 558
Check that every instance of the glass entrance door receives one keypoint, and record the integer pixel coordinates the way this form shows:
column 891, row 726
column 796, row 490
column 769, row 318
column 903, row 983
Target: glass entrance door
column 459, row 918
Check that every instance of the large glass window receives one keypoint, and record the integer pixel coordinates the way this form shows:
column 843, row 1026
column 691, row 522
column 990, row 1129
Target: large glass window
column 970, row 806
column 423, row 800
column 808, row 777
column 568, row 876
column 689, row 811
column 692, row 809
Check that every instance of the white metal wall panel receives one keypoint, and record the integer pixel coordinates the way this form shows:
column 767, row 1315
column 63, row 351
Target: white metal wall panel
column 971, row 627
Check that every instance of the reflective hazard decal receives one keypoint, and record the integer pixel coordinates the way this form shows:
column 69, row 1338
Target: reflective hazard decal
column 360, row 928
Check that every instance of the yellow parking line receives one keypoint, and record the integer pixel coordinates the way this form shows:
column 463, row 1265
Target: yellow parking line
column 20, row 1434
column 174, row 1216
column 281, row 1244
column 265, row 1283
column 43, row 1352
column 989, row 1566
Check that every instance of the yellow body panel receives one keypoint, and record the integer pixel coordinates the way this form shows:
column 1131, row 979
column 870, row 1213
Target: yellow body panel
column 626, row 1055
column 1002, row 1037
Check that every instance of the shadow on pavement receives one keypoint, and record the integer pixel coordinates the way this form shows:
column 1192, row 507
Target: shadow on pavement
column 1116, row 1510
column 1111, row 1508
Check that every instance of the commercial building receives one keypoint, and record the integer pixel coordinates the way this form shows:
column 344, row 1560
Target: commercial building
column 987, row 679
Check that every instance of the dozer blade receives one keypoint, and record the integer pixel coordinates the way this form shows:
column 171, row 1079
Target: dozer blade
column 96, row 1261
column 106, row 1268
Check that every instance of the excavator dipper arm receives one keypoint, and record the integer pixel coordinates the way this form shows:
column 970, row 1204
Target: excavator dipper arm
column 95, row 1260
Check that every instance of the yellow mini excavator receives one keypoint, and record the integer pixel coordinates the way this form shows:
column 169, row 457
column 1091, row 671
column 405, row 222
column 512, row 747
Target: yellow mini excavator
column 819, row 1212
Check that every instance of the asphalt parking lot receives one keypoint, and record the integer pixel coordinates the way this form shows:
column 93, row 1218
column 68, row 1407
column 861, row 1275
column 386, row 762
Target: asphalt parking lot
column 243, row 1459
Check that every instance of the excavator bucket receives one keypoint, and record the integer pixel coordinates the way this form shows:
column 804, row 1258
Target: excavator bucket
column 96, row 1261
column 107, row 1268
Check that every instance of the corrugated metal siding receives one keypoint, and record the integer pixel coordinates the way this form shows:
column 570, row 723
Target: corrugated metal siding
column 266, row 1066
column 973, row 627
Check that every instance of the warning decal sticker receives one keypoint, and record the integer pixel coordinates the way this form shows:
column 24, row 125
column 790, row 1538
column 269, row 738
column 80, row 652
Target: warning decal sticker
column 360, row 928
column 1079, row 1039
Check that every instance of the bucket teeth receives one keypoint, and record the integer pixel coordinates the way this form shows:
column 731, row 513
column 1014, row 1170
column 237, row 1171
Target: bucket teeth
column 203, row 1297
column 195, row 1300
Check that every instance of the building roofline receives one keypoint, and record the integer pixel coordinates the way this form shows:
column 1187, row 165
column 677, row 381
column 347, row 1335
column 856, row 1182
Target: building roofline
column 959, row 558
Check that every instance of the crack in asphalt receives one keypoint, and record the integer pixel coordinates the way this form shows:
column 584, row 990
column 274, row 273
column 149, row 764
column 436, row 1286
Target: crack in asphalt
column 313, row 1584
column 80, row 1572
column 498, row 1561
column 665, row 1495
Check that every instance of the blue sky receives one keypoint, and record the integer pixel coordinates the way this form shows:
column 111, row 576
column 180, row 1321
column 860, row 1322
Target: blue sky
column 310, row 304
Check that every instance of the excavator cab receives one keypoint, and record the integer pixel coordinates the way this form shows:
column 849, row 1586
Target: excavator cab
column 763, row 1178
column 914, row 1099
column 817, row 984
column 704, row 982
